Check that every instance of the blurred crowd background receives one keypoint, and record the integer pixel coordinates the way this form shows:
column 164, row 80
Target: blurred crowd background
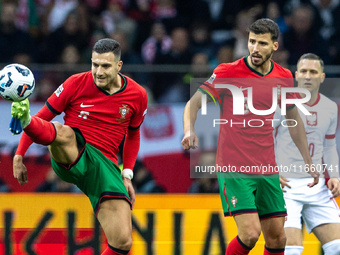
column 193, row 36
column 164, row 44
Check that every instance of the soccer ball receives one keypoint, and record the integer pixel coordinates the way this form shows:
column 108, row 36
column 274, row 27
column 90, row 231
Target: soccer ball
column 16, row 82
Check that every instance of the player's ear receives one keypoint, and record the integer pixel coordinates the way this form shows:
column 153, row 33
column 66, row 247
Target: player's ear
column 120, row 64
column 296, row 75
column 323, row 76
column 276, row 46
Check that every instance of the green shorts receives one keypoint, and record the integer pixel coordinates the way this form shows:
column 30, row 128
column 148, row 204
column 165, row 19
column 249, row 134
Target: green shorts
column 241, row 194
column 93, row 173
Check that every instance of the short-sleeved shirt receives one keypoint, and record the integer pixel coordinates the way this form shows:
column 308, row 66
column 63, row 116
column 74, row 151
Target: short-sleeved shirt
column 241, row 145
column 102, row 118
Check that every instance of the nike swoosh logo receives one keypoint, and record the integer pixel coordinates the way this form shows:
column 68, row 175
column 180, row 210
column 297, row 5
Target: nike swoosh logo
column 83, row 105
column 307, row 133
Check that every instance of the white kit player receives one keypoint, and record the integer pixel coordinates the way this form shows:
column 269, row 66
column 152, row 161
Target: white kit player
column 316, row 205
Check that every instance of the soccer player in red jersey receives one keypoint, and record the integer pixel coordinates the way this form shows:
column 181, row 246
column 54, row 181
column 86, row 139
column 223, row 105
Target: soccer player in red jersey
column 101, row 106
column 254, row 199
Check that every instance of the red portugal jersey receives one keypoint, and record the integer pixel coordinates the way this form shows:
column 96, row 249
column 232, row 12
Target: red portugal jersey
column 246, row 142
column 102, row 118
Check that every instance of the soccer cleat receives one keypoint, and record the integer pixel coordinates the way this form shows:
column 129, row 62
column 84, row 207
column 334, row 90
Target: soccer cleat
column 20, row 116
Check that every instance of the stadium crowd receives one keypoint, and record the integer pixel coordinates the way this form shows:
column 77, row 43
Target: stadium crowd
column 200, row 33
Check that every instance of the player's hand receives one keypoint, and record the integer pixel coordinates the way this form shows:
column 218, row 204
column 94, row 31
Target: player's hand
column 190, row 140
column 283, row 182
column 334, row 186
column 130, row 190
column 19, row 170
column 311, row 169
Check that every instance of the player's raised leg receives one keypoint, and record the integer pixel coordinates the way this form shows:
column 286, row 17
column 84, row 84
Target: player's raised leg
column 329, row 236
column 60, row 138
column 274, row 235
column 116, row 214
column 249, row 230
column 294, row 245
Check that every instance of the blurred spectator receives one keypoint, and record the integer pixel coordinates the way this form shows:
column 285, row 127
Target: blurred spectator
column 223, row 13
column 159, row 43
column 14, row 43
column 206, row 183
column 69, row 34
column 53, row 183
column 115, row 19
column 44, row 89
column 225, row 54
column 70, row 56
column 199, row 68
column 302, row 37
column 128, row 56
column 59, row 12
column 273, row 12
column 140, row 12
column 327, row 10
column 167, row 87
column 329, row 13
column 200, row 39
column 143, row 180
column 166, row 11
column 27, row 18
column 243, row 20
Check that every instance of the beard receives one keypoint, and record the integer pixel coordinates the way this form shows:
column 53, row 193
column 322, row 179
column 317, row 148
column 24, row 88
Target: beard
column 264, row 60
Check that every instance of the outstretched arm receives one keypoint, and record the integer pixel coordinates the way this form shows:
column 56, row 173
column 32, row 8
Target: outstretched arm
column 298, row 135
column 19, row 169
column 190, row 139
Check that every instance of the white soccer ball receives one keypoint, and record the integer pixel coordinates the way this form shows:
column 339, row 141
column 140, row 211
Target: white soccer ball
column 16, row 82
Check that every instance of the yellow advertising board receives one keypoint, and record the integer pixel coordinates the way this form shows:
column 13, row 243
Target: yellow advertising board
column 163, row 224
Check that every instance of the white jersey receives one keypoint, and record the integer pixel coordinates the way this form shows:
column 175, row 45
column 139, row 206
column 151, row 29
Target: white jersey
column 320, row 125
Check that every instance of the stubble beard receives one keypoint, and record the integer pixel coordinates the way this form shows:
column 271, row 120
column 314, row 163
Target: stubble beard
column 267, row 57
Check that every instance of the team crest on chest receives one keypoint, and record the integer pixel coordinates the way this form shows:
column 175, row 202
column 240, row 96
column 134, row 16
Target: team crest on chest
column 124, row 110
column 312, row 120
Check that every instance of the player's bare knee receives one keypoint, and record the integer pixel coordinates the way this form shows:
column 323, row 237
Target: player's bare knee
column 124, row 242
column 250, row 237
column 65, row 134
column 277, row 240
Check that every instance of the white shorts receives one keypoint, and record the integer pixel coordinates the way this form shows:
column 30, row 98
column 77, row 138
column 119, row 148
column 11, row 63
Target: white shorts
column 314, row 210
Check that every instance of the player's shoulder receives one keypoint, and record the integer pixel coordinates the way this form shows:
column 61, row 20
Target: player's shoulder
column 78, row 77
column 326, row 101
column 226, row 68
column 281, row 71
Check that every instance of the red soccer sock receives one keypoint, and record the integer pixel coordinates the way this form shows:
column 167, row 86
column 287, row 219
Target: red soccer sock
column 236, row 247
column 41, row 131
column 114, row 251
column 269, row 251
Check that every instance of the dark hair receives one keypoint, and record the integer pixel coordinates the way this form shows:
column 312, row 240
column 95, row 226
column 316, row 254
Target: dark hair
column 264, row 26
column 312, row 56
column 108, row 45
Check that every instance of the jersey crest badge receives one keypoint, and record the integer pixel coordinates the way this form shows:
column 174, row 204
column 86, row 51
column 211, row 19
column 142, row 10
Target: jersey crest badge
column 312, row 120
column 234, row 201
column 124, row 110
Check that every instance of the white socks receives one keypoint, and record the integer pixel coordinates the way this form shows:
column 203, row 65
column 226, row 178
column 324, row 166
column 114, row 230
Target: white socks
column 332, row 247
column 293, row 250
